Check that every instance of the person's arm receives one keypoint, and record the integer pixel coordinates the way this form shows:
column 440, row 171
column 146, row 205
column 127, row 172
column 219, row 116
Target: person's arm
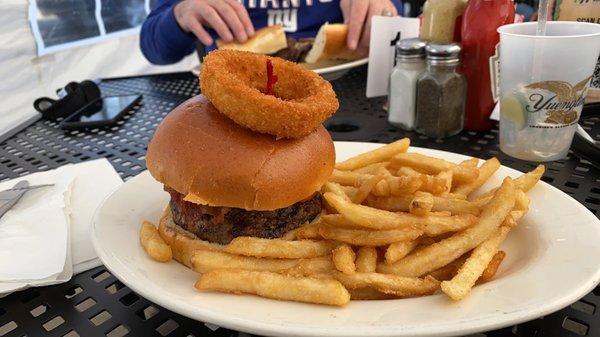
column 162, row 41
column 170, row 31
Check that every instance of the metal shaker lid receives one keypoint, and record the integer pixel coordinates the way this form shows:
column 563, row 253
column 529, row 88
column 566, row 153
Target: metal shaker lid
column 446, row 52
column 411, row 48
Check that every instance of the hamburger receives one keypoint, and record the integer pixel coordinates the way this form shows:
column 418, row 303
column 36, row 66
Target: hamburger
column 328, row 45
column 225, row 180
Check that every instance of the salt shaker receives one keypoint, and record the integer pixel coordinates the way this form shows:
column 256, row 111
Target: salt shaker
column 410, row 64
column 441, row 92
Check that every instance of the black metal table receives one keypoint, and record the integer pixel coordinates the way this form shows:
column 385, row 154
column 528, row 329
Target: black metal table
column 95, row 303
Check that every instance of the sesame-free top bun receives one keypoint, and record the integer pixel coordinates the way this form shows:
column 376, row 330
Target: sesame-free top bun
column 205, row 156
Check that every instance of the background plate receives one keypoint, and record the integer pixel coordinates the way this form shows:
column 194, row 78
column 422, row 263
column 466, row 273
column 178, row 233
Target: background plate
column 553, row 258
column 329, row 70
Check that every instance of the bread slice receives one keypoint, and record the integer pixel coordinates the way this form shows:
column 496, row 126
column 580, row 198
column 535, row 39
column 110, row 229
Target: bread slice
column 266, row 40
column 330, row 44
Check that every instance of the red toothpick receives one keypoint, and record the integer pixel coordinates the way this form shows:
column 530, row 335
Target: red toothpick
column 271, row 78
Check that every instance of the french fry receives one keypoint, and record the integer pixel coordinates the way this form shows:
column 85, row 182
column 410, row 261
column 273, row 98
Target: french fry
column 446, row 176
column 429, row 183
column 441, row 213
column 184, row 244
column 308, row 231
column 443, row 222
column 440, row 204
column 366, row 237
column 431, row 165
column 372, row 168
column 454, row 206
column 460, row 285
column 530, row 179
column 522, row 202
column 367, row 294
column 421, row 203
column 373, row 218
column 349, row 190
column 471, row 162
column 336, row 189
column 276, row 286
column 348, row 178
column 441, row 253
column 338, row 220
column 154, row 244
column 398, row 250
column 308, row 267
column 366, row 260
column 277, row 248
column 291, row 235
column 389, row 284
column 402, row 185
column 205, row 260
column 486, row 170
column 382, row 188
column 399, row 203
column 525, row 182
column 448, row 271
column 451, row 195
column 378, row 155
column 365, row 188
column 391, row 185
column 492, row 267
column 343, row 259
column 408, row 171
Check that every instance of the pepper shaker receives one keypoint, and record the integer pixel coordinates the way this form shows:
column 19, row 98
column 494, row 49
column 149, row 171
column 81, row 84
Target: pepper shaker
column 410, row 64
column 441, row 92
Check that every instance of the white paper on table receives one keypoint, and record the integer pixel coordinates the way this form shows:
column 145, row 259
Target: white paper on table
column 385, row 32
column 94, row 181
column 35, row 232
column 86, row 265
column 8, row 287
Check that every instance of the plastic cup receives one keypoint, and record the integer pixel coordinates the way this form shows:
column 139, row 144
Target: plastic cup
column 543, row 84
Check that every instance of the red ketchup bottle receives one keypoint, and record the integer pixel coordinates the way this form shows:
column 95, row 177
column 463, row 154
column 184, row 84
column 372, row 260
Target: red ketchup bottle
column 479, row 39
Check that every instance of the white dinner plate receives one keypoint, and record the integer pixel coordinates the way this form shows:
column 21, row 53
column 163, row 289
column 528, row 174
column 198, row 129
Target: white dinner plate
column 329, row 70
column 553, row 259
column 332, row 70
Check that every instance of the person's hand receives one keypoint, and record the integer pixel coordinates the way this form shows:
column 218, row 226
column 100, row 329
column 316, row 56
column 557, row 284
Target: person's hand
column 228, row 18
column 357, row 15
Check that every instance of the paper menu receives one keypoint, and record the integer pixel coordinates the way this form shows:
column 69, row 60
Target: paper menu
column 385, row 32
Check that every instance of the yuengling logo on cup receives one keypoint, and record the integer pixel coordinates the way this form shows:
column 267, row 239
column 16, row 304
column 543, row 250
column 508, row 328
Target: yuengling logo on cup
column 541, row 94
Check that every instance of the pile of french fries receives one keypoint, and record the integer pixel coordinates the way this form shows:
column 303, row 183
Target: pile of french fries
column 396, row 224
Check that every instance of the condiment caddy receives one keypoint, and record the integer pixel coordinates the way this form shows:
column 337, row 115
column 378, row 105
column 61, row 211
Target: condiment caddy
column 427, row 90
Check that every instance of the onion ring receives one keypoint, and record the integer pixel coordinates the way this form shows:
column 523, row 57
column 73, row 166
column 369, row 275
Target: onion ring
column 235, row 83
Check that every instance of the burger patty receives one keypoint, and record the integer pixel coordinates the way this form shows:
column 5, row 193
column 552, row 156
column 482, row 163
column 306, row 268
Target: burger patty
column 296, row 50
column 222, row 224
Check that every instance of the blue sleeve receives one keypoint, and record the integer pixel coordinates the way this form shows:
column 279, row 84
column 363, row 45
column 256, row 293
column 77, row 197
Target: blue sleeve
column 399, row 6
column 161, row 39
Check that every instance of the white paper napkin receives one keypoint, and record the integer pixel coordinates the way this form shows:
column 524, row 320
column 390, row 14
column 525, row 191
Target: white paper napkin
column 94, row 181
column 34, row 233
column 84, row 186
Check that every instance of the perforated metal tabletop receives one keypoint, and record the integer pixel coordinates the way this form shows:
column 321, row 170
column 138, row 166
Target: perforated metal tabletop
column 95, row 303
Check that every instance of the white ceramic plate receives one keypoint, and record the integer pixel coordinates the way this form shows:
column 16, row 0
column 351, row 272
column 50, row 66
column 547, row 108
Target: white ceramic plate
column 553, row 260
column 332, row 70
column 329, row 70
